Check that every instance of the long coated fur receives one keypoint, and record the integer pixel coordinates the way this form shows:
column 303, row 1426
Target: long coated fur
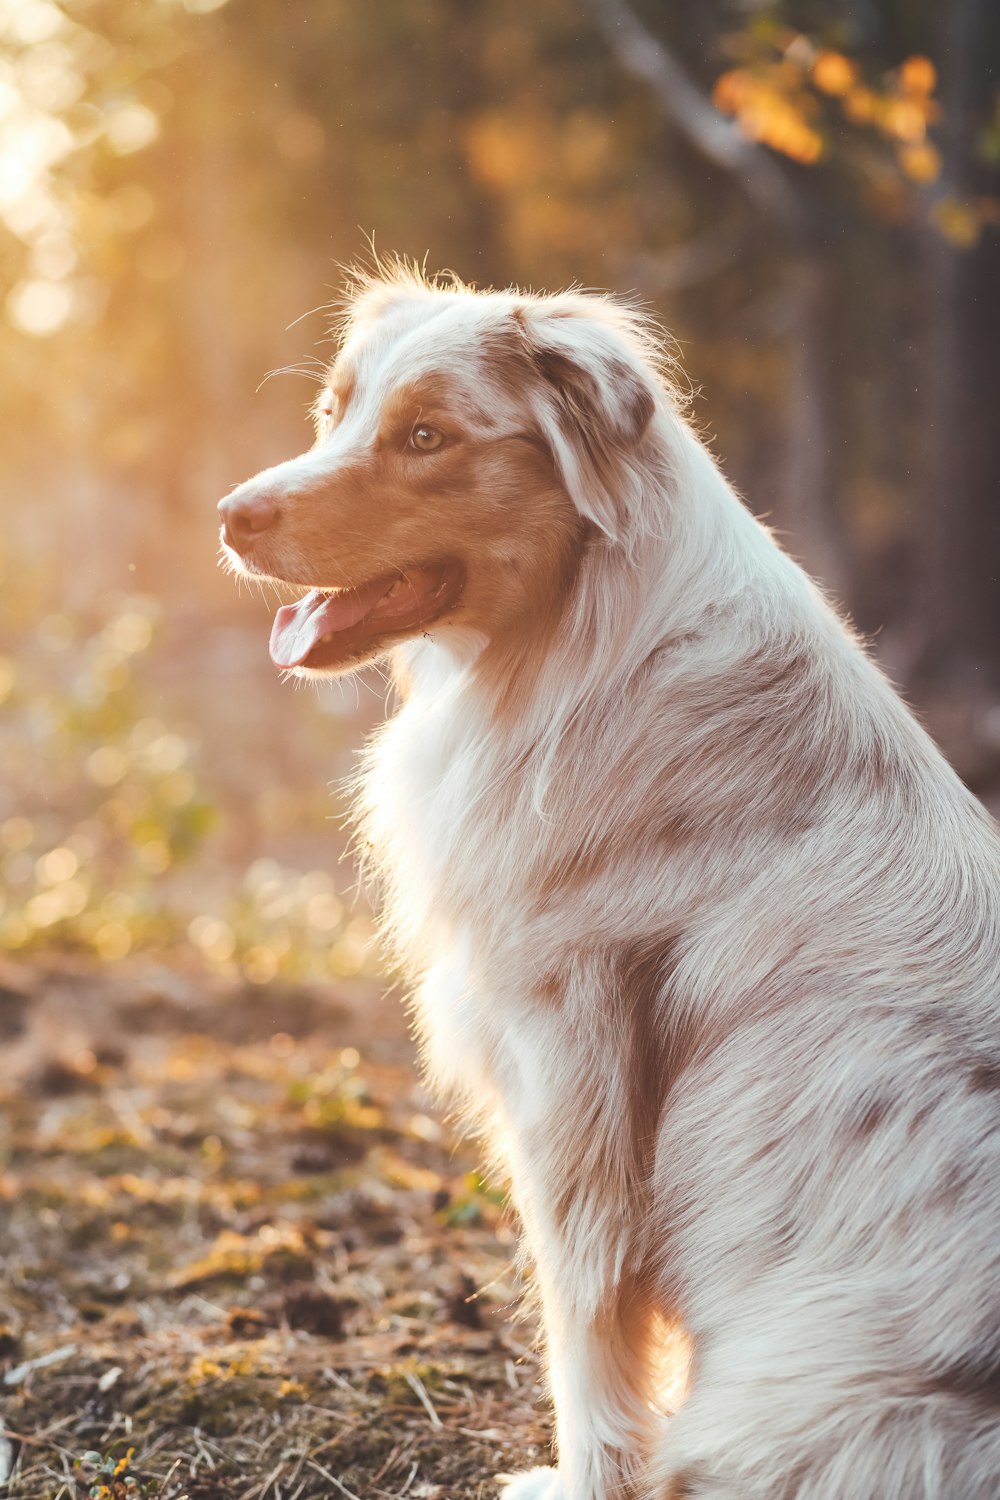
column 703, row 931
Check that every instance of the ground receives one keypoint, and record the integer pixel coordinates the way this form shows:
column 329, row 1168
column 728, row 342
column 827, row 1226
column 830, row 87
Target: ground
column 244, row 1256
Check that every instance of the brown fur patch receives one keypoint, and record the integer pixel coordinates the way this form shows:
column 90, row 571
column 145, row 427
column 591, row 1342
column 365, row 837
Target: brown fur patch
column 975, row 1378
column 644, row 975
column 870, row 1112
column 985, row 1078
column 691, row 1485
column 627, row 1109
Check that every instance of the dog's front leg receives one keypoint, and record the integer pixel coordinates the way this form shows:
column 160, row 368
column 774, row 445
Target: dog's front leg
column 597, row 1367
column 596, row 1325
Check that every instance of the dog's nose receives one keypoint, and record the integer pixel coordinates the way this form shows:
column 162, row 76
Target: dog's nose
column 246, row 516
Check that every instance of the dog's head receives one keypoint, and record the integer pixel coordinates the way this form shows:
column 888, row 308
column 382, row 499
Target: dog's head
column 469, row 447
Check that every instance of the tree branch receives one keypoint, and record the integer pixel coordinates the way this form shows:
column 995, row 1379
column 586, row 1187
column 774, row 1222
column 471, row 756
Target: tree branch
column 688, row 264
column 720, row 140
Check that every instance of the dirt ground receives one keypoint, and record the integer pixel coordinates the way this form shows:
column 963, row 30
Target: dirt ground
column 243, row 1257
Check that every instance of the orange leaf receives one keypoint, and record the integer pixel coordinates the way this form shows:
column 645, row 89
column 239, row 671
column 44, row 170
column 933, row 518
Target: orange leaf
column 918, row 75
column 860, row 106
column 904, row 119
column 732, row 90
column 833, row 73
column 920, row 163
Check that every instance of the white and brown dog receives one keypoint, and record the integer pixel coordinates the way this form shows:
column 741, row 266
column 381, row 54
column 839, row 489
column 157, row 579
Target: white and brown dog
column 703, row 931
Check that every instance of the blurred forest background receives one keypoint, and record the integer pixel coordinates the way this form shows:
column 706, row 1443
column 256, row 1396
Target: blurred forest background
column 807, row 192
column 242, row 1258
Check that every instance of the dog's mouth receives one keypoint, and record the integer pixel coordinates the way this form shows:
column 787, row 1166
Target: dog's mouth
column 329, row 627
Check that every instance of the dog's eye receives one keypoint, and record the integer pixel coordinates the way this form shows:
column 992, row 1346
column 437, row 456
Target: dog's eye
column 426, row 439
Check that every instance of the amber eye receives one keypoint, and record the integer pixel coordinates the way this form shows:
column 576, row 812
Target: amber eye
column 426, row 439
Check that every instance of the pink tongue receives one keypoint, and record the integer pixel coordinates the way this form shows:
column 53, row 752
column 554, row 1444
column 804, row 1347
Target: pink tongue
column 299, row 628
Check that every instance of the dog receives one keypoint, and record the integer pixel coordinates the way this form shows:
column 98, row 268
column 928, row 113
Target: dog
column 703, row 931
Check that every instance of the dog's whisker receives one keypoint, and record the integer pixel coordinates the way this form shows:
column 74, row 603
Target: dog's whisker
column 321, row 307
column 310, row 374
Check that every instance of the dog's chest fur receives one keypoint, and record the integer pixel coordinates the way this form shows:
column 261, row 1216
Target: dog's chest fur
column 442, row 799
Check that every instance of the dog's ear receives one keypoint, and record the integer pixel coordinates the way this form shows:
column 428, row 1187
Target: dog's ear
column 597, row 403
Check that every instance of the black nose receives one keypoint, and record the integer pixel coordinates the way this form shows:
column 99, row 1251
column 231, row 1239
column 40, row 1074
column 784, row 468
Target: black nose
column 246, row 516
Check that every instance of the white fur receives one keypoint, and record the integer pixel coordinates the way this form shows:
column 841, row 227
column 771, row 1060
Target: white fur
column 706, row 937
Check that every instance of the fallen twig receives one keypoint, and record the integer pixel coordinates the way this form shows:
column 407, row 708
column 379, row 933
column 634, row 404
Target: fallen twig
column 333, row 1480
column 21, row 1372
column 420, row 1391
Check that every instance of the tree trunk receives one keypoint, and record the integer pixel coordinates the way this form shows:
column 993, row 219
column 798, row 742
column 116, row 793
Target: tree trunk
column 811, row 470
column 959, row 550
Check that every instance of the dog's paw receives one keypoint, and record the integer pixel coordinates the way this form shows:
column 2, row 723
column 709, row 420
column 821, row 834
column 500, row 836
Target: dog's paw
column 536, row 1484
